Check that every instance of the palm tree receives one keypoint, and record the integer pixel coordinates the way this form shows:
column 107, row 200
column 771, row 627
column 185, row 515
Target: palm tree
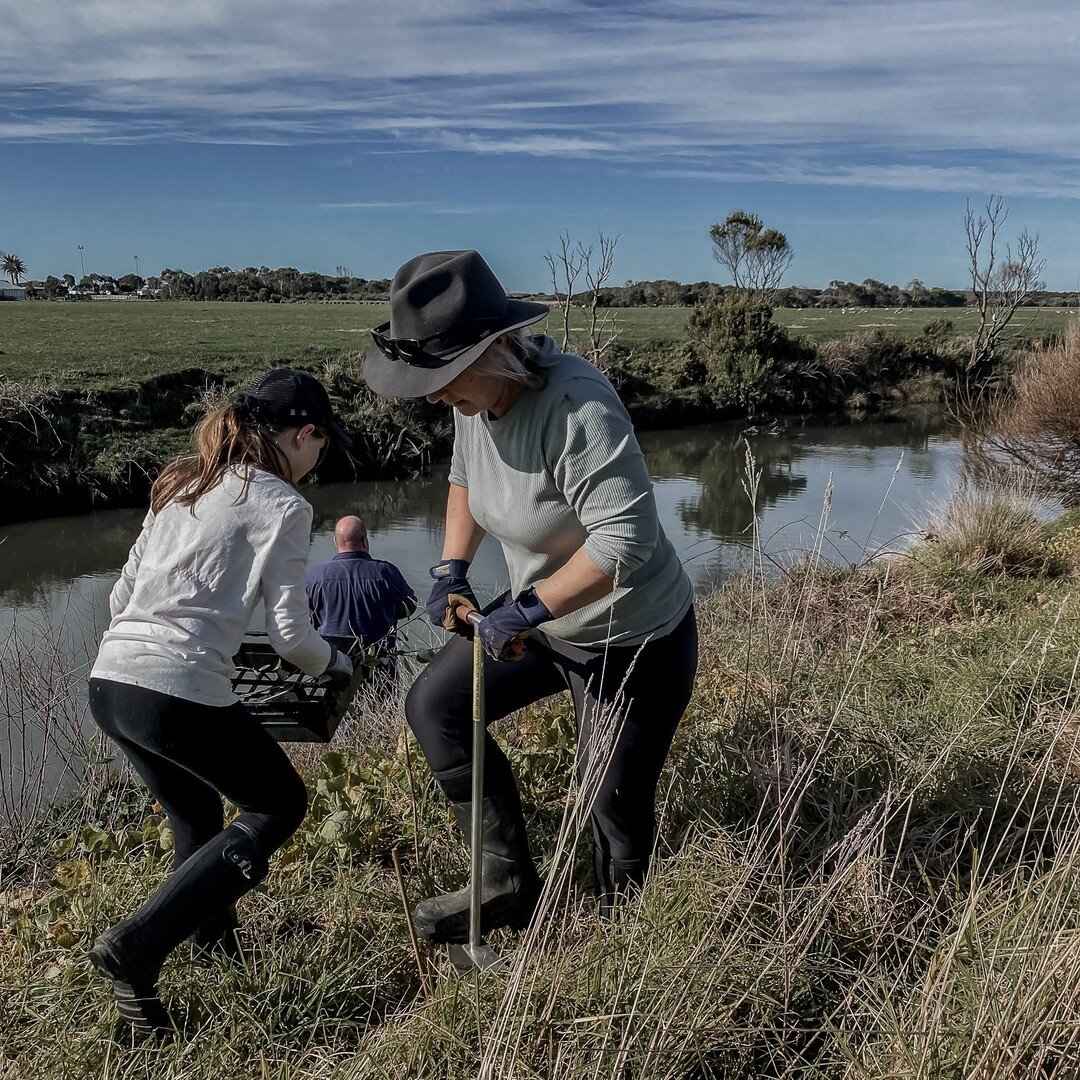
column 14, row 267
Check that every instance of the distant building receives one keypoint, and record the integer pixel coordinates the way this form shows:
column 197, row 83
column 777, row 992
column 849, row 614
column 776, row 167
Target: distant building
column 10, row 291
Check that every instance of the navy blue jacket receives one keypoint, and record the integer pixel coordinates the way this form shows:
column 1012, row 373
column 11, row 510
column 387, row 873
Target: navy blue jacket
column 356, row 596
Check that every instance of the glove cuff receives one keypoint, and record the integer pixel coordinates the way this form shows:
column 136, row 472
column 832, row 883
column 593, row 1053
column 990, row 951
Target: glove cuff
column 532, row 608
column 450, row 569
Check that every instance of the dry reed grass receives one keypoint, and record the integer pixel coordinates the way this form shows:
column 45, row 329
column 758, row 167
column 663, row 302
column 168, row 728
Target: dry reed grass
column 867, row 868
column 1034, row 426
column 47, row 745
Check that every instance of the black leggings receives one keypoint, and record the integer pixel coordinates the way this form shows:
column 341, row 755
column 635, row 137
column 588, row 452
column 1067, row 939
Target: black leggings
column 189, row 755
column 648, row 685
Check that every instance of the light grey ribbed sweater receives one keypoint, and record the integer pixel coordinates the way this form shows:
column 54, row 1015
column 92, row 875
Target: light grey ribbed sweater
column 563, row 469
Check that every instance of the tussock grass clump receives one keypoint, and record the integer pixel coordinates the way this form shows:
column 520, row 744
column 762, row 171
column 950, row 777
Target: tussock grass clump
column 993, row 530
column 867, row 868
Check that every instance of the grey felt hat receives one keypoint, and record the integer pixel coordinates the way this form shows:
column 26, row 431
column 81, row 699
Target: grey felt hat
column 446, row 307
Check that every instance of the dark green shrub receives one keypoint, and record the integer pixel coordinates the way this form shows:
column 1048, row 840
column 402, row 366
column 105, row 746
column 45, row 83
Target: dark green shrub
column 748, row 362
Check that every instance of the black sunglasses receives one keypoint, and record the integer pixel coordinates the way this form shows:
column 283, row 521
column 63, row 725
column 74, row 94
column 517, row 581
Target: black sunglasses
column 415, row 352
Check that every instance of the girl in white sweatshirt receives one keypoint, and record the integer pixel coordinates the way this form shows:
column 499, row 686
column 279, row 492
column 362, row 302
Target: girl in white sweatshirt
column 226, row 529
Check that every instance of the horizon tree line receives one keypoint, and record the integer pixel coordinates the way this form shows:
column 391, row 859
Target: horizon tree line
column 755, row 257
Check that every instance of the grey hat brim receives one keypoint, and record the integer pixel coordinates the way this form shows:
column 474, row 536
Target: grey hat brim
column 396, row 378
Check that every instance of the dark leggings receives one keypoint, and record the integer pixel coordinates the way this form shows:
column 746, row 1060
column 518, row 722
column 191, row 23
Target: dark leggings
column 647, row 687
column 189, row 755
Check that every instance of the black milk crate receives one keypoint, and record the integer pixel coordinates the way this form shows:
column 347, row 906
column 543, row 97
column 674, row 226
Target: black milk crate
column 291, row 705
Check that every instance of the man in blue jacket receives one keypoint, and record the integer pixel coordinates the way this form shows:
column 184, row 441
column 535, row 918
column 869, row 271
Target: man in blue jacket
column 355, row 598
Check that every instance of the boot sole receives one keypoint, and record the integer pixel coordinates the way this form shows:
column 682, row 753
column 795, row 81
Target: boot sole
column 137, row 1002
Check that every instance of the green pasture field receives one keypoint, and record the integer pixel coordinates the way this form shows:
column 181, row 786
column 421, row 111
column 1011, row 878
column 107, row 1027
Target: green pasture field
column 101, row 343
column 826, row 324
column 109, row 343
column 643, row 326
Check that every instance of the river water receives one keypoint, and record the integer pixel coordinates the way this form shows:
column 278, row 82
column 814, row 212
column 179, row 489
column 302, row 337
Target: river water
column 55, row 575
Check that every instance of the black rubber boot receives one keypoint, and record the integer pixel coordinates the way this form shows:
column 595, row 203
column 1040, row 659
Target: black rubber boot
column 132, row 952
column 217, row 937
column 134, row 987
column 510, row 883
column 618, row 881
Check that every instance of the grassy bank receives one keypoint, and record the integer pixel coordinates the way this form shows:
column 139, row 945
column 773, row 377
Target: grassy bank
column 868, row 868
column 63, row 451
column 96, row 397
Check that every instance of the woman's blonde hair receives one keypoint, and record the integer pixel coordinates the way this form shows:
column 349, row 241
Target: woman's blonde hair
column 225, row 437
column 516, row 361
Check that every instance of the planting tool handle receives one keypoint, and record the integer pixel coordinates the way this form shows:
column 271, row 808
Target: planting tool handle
column 470, row 615
column 476, row 868
column 477, row 953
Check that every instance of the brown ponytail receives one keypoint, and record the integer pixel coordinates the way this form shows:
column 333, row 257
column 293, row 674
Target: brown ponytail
column 225, row 437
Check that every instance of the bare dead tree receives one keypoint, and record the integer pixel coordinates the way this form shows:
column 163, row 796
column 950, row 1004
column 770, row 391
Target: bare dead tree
column 572, row 261
column 1034, row 427
column 600, row 322
column 1000, row 283
column 565, row 267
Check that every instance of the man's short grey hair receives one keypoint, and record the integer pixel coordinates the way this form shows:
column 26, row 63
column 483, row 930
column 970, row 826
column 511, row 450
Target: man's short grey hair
column 516, row 361
column 350, row 533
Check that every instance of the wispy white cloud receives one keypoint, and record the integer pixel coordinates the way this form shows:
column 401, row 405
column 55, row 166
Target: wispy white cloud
column 52, row 127
column 830, row 83
column 424, row 207
column 1045, row 177
column 372, row 205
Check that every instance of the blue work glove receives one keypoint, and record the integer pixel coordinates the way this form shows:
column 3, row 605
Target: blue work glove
column 450, row 577
column 504, row 626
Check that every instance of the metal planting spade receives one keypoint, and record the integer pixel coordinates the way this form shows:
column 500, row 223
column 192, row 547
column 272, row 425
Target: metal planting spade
column 477, row 953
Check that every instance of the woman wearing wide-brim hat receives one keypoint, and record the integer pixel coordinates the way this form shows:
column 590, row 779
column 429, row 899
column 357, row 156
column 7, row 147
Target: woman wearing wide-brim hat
column 545, row 459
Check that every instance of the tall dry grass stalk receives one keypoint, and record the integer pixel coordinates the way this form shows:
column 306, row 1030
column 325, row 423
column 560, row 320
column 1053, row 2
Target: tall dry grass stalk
column 49, row 750
column 1034, row 425
column 866, row 868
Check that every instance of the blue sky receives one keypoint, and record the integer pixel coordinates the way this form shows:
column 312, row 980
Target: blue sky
column 328, row 132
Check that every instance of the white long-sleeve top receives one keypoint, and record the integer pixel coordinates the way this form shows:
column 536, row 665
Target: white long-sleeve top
column 191, row 583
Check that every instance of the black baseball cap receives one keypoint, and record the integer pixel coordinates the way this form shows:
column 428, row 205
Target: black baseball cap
column 292, row 398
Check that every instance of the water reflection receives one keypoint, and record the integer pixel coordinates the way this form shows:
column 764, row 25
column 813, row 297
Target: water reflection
column 55, row 575
column 700, row 476
column 384, row 505
column 37, row 556
column 714, row 463
column 876, row 477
